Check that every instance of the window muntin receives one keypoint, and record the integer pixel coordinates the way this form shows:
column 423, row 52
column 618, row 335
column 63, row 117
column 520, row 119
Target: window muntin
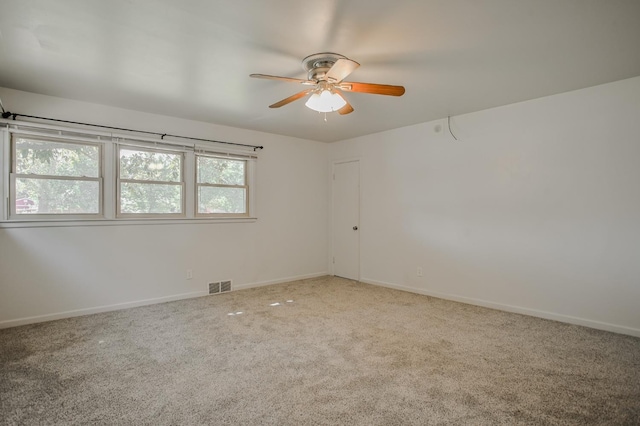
column 221, row 186
column 150, row 182
column 55, row 177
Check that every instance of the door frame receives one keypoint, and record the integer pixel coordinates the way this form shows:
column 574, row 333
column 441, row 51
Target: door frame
column 332, row 177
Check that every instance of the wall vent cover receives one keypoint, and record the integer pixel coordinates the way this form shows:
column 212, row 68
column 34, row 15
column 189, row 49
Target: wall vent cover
column 220, row 287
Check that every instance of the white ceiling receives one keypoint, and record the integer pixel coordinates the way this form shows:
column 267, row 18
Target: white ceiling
column 192, row 58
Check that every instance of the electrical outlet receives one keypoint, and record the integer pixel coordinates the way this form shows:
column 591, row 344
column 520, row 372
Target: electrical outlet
column 189, row 274
column 419, row 271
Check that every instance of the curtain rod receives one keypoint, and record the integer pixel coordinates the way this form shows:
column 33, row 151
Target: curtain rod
column 7, row 114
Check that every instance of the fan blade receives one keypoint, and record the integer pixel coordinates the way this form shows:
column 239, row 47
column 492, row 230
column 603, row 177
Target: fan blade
column 376, row 89
column 287, row 79
column 347, row 109
column 291, row 98
column 341, row 69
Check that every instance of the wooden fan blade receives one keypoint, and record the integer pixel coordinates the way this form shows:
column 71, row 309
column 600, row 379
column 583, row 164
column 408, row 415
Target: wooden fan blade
column 347, row 109
column 291, row 98
column 341, row 69
column 376, row 89
column 287, row 79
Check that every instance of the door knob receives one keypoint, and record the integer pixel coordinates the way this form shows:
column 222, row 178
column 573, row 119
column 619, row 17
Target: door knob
column 355, row 228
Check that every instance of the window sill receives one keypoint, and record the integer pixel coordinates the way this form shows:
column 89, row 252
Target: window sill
column 120, row 222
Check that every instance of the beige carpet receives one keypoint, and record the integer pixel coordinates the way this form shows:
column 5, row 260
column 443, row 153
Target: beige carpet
column 331, row 351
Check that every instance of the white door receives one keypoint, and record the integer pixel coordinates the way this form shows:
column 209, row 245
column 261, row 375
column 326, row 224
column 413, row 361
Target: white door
column 346, row 220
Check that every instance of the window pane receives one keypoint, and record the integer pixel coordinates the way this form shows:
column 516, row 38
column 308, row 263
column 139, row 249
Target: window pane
column 57, row 196
column 150, row 198
column 57, row 158
column 146, row 165
column 221, row 200
column 221, row 171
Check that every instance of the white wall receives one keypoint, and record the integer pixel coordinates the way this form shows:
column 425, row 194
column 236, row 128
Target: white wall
column 47, row 273
column 536, row 209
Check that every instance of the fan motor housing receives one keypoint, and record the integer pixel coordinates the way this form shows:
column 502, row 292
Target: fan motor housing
column 318, row 64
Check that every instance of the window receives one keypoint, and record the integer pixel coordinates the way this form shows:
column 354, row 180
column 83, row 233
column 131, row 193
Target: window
column 77, row 177
column 221, row 186
column 55, row 177
column 150, row 182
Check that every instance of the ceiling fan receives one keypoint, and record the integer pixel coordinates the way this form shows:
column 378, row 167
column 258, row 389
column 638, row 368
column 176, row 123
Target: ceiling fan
column 325, row 76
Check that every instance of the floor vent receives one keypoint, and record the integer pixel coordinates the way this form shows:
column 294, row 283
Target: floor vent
column 220, row 287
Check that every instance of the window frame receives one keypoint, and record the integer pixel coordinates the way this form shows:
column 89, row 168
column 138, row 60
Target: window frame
column 197, row 185
column 119, row 181
column 13, row 176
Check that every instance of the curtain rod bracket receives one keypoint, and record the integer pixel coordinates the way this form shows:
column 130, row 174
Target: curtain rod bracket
column 6, row 114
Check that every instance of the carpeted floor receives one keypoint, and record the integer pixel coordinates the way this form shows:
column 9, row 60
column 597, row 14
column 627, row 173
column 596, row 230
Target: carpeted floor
column 331, row 351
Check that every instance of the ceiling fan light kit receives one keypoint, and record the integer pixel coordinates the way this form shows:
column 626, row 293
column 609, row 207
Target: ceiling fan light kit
column 326, row 72
column 326, row 101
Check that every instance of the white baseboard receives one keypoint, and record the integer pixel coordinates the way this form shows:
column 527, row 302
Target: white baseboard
column 127, row 305
column 511, row 308
column 98, row 309
column 280, row 280
column 472, row 301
